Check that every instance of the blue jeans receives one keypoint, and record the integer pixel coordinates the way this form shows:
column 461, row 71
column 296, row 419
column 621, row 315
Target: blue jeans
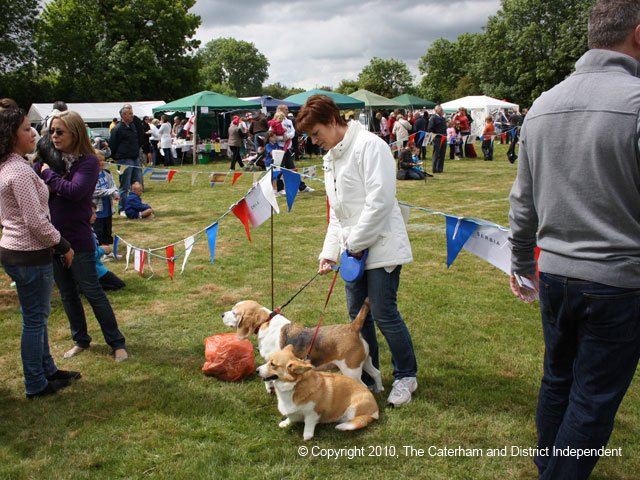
column 82, row 276
column 381, row 288
column 592, row 345
column 34, row 284
column 132, row 174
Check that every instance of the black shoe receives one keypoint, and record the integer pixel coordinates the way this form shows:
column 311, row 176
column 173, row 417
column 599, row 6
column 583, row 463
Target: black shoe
column 64, row 375
column 50, row 389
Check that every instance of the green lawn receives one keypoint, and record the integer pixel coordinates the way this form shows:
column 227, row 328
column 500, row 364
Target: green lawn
column 156, row 416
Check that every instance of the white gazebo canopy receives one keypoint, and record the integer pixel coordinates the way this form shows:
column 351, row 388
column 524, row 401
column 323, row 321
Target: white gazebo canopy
column 95, row 112
column 479, row 107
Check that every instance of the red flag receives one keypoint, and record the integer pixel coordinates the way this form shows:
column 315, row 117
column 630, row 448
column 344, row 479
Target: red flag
column 171, row 174
column 412, row 138
column 241, row 211
column 235, row 177
column 442, row 140
column 504, row 136
column 170, row 261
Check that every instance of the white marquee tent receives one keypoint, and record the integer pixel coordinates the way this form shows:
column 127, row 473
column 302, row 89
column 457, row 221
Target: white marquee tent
column 479, row 106
column 95, row 112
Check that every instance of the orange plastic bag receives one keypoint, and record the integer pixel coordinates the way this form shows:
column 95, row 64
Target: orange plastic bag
column 228, row 357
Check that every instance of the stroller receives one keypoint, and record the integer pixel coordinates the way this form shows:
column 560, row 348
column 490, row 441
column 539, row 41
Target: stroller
column 255, row 162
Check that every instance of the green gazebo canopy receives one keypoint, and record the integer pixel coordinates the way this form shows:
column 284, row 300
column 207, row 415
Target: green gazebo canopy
column 411, row 101
column 344, row 102
column 212, row 100
column 373, row 100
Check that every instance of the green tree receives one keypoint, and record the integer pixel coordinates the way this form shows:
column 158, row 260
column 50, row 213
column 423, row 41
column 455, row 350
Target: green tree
column 388, row 78
column 235, row 63
column 101, row 50
column 279, row 91
column 18, row 25
column 347, row 87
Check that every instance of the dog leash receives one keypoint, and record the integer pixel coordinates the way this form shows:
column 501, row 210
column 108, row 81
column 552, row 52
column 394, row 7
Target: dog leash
column 313, row 340
column 279, row 309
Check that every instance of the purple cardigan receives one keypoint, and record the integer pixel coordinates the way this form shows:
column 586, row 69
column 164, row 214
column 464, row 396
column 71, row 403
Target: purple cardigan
column 70, row 202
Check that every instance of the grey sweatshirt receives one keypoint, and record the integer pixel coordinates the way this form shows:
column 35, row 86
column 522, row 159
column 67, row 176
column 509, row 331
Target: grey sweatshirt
column 578, row 181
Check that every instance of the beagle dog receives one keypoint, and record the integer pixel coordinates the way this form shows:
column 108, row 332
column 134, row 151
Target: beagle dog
column 336, row 346
column 312, row 397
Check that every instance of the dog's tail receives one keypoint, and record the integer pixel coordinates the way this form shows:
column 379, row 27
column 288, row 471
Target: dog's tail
column 362, row 315
column 356, row 423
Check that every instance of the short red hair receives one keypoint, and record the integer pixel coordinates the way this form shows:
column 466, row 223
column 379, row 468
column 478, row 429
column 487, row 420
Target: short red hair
column 318, row 109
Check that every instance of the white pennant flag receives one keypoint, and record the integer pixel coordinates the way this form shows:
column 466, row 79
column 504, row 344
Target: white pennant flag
column 491, row 244
column 138, row 260
column 188, row 245
column 259, row 208
column 193, row 178
column 267, row 191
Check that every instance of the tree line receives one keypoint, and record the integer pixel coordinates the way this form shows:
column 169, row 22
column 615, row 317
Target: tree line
column 110, row 50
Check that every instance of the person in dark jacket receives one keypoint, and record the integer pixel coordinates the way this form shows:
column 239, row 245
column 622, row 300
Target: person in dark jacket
column 420, row 125
column 124, row 143
column 438, row 126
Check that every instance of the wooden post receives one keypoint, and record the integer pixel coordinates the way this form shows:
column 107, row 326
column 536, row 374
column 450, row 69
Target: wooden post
column 194, row 135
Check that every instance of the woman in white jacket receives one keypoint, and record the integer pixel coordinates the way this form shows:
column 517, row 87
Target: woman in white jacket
column 401, row 130
column 364, row 214
column 165, row 139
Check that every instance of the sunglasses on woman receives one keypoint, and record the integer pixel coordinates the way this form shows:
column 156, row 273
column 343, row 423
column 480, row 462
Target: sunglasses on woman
column 57, row 131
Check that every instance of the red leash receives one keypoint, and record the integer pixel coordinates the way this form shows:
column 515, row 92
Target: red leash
column 335, row 276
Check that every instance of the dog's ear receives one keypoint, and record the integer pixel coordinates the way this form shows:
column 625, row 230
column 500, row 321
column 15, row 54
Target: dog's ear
column 243, row 331
column 288, row 348
column 298, row 367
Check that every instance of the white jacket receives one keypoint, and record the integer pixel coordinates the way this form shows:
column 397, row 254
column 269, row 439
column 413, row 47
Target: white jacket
column 360, row 180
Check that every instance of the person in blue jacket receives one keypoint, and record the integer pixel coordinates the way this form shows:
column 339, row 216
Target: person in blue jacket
column 134, row 207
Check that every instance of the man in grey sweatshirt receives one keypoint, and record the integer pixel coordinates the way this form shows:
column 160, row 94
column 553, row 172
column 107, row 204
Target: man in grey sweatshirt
column 578, row 188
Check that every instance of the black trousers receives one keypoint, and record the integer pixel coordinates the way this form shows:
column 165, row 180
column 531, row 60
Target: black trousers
column 103, row 229
column 110, row 281
column 439, row 151
column 235, row 158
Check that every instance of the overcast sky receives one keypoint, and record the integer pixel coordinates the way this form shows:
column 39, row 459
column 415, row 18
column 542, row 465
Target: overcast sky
column 313, row 43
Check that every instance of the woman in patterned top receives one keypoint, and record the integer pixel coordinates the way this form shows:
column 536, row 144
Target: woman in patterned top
column 28, row 238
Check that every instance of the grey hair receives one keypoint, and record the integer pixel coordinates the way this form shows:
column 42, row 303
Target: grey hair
column 611, row 21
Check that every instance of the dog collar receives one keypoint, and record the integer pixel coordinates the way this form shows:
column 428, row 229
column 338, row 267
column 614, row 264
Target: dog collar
column 271, row 315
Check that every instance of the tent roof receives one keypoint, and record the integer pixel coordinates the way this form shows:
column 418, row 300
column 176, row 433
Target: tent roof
column 478, row 101
column 342, row 101
column 373, row 100
column 271, row 103
column 94, row 112
column 412, row 101
column 212, row 100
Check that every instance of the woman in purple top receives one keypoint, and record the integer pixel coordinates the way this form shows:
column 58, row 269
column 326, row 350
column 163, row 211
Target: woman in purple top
column 70, row 204
column 25, row 252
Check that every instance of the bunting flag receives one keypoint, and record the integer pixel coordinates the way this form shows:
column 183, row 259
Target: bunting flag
column 212, row 233
column 412, row 138
column 309, row 171
column 267, row 191
column 291, row 185
column 218, row 178
column 171, row 261
column 458, row 232
column 471, row 139
column 236, row 176
column 194, row 175
column 189, row 126
column 491, row 243
column 258, row 207
column 442, row 140
column 116, row 239
column 147, row 170
column 429, row 139
column 121, row 169
column 158, row 175
column 419, row 137
column 241, row 211
column 188, row 246
column 504, row 137
column 128, row 256
column 138, row 260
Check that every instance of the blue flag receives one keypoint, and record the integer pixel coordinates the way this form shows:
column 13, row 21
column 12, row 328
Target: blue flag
column 147, row 170
column 212, row 233
column 291, row 185
column 458, row 232
column 115, row 246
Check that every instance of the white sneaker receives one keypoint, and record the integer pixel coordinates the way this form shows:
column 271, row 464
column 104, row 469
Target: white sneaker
column 401, row 391
column 282, row 192
column 308, row 189
column 122, row 214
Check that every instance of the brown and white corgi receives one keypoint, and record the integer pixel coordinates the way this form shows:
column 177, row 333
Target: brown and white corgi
column 309, row 396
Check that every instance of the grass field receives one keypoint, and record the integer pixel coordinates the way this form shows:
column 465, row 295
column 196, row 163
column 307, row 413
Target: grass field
column 157, row 416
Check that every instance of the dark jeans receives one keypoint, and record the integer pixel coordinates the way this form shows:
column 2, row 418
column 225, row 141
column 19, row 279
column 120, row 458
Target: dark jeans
column 381, row 288
column 103, row 227
column 592, row 345
column 235, row 157
column 155, row 152
column 168, row 157
column 487, row 149
column 132, row 174
column 82, row 275
column 439, row 151
column 287, row 162
column 34, row 285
